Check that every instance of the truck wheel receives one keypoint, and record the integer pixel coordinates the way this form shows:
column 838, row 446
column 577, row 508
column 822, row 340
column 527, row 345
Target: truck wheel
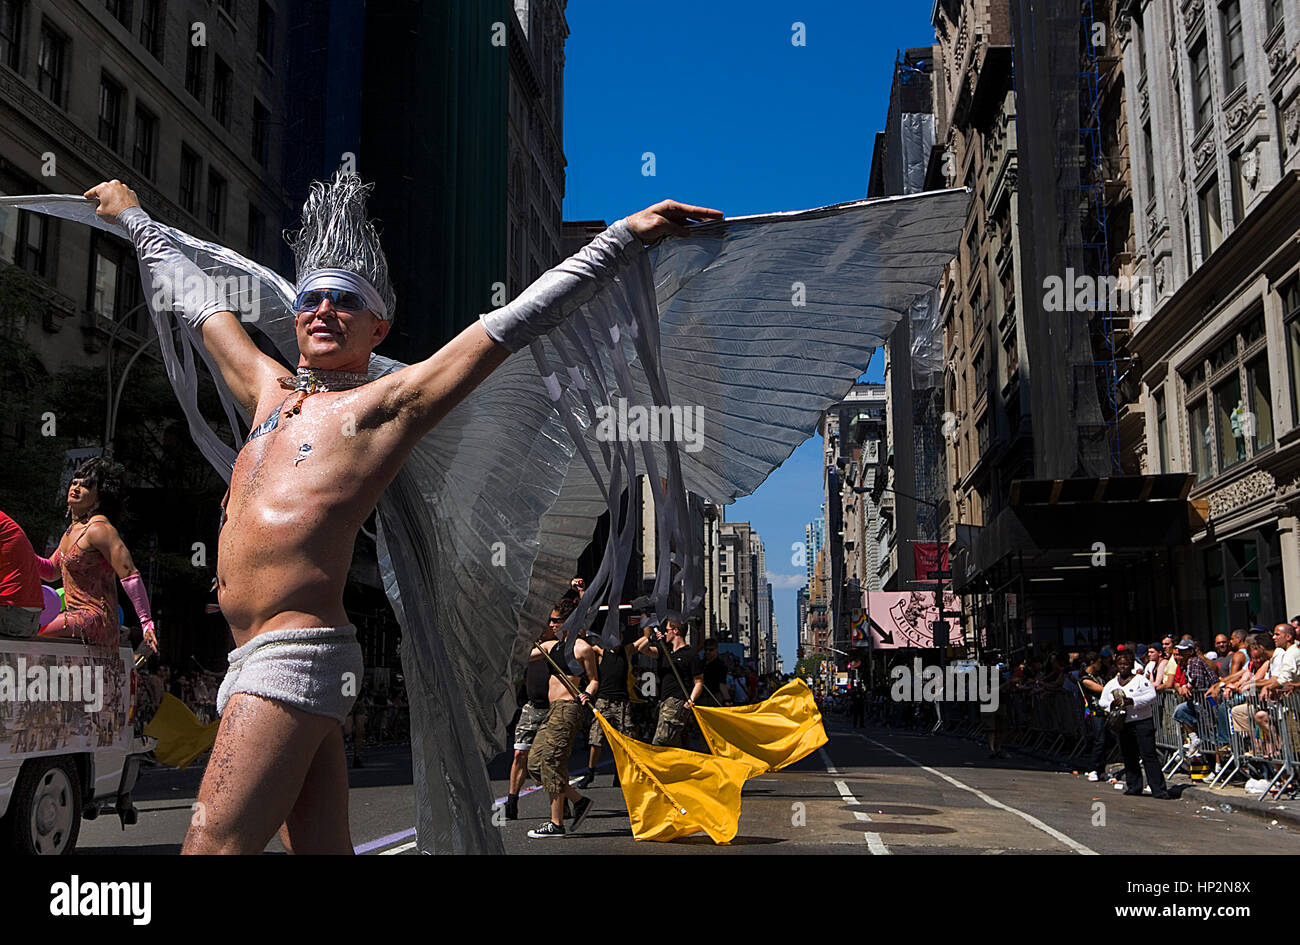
column 45, row 808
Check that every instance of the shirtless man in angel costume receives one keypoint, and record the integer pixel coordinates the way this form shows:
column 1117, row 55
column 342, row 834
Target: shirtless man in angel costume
column 323, row 447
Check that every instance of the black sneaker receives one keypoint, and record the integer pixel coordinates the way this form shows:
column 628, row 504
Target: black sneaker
column 512, row 808
column 585, row 780
column 580, row 812
column 546, row 831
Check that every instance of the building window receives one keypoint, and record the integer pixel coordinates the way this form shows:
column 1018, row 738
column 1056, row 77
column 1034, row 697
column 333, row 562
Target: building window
column 104, row 279
column 978, row 366
column 51, row 64
column 194, row 70
column 1234, row 46
column 1229, row 421
column 1162, row 431
column 24, row 240
column 189, row 192
column 1202, row 100
column 256, row 227
column 1198, row 435
column 216, row 201
column 260, row 118
column 1149, row 157
column 221, row 83
column 1273, row 13
column 1260, row 423
column 1223, row 355
column 1238, row 188
column 120, row 10
column 1291, row 306
column 110, row 112
column 1139, row 47
column 265, row 31
column 146, row 141
column 11, row 31
column 1211, row 219
column 151, row 27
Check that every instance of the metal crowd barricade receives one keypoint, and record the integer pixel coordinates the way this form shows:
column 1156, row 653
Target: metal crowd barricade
column 1169, row 734
column 1288, row 730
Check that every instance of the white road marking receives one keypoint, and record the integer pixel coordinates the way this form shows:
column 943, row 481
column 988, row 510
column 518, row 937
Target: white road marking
column 874, row 843
column 398, row 849
column 1073, row 844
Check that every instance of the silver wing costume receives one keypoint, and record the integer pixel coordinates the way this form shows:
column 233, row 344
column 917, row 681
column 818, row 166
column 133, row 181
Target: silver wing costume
column 762, row 322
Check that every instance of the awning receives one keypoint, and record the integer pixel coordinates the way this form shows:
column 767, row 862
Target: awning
column 1061, row 525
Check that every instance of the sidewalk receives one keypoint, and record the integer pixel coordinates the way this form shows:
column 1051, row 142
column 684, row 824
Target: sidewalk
column 1286, row 811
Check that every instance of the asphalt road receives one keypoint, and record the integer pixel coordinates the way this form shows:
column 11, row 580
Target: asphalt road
column 873, row 792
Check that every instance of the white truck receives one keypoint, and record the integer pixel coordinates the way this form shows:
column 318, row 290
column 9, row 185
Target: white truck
column 68, row 746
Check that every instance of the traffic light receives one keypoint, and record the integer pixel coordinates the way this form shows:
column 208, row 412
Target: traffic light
column 799, row 652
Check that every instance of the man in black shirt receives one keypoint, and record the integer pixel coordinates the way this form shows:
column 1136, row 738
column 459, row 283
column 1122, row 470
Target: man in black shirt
column 532, row 713
column 674, row 705
column 715, row 673
column 612, row 698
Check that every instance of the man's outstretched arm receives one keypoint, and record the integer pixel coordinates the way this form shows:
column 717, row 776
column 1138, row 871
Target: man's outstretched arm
column 246, row 370
column 425, row 392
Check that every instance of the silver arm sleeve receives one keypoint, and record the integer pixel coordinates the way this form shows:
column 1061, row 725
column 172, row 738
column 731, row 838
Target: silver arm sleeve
column 557, row 292
column 177, row 283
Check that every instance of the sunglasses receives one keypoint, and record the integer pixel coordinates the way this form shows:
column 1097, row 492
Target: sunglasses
column 341, row 299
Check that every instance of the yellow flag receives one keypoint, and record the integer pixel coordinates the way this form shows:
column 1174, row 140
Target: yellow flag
column 769, row 735
column 672, row 792
column 181, row 736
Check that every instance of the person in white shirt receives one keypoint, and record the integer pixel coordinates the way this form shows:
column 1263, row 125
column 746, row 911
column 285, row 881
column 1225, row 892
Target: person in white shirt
column 1283, row 677
column 1136, row 695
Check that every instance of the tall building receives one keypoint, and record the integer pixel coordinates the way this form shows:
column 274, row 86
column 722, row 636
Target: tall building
column 814, row 539
column 745, row 592
column 801, row 610
column 1214, row 125
column 914, row 353
column 174, row 107
column 173, row 101
column 1058, row 535
column 469, row 205
column 854, row 435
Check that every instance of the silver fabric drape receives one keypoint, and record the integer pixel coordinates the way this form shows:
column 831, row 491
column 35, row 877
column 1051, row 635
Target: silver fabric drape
column 762, row 322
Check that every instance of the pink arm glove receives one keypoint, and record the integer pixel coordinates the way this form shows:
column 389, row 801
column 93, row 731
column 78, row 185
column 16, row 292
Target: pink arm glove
column 48, row 568
column 134, row 588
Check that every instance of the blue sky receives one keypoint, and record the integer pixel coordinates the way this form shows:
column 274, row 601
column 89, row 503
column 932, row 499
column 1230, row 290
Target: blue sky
column 740, row 119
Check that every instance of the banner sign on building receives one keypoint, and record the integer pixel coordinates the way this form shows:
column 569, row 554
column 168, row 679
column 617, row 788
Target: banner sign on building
column 926, row 560
column 904, row 618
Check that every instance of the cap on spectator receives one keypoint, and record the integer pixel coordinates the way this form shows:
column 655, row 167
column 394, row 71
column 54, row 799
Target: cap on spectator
column 1142, row 651
column 1185, row 645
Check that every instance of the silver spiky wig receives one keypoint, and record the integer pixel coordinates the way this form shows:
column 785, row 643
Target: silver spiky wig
column 335, row 234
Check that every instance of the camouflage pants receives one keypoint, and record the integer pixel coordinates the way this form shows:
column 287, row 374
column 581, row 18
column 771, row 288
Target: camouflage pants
column 548, row 762
column 673, row 719
column 617, row 714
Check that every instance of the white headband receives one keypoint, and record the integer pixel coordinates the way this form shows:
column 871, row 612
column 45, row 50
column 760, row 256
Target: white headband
column 343, row 279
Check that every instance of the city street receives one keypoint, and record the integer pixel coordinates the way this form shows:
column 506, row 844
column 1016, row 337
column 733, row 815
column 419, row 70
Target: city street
column 877, row 791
